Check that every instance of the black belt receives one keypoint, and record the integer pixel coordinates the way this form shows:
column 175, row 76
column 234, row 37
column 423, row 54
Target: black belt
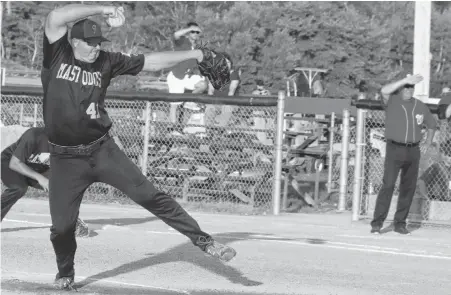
column 82, row 150
column 407, row 144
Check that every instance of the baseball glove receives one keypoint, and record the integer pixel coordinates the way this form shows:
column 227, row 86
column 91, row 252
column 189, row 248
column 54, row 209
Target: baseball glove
column 81, row 229
column 214, row 66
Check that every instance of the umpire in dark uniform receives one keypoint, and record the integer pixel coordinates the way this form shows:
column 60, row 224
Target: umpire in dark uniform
column 404, row 118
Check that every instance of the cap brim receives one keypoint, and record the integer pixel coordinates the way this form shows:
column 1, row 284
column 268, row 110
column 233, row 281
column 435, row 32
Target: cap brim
column 97, row 39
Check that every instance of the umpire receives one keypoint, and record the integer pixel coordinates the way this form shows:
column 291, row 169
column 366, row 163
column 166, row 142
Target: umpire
column 404, row 118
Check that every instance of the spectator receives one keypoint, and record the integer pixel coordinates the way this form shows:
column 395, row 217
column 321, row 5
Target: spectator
column 435, row 182
column 260, row 122
column 404, row 119
column 226, row 111
column 186, row 75
column 261, row 90
column 318, row 89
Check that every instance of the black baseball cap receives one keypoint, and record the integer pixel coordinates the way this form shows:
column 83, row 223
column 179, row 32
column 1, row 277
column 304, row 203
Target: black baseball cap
column 87, row 30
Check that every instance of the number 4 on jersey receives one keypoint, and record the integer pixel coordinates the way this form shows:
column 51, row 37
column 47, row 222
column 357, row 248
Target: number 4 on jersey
column 93, row 110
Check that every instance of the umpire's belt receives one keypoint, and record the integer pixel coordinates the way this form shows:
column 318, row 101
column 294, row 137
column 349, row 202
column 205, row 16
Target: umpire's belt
column 82, row 150
column 407, row 144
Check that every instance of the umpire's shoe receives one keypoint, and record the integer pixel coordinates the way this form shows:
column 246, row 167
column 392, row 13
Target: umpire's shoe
column 215, row 249
column 81, row 229
column 65, row 283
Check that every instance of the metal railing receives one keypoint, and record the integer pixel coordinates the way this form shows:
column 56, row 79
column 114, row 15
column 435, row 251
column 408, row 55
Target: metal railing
column 218, row 159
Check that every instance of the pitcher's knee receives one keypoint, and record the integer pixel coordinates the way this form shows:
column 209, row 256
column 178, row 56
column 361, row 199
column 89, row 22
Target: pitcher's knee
column 63, row 228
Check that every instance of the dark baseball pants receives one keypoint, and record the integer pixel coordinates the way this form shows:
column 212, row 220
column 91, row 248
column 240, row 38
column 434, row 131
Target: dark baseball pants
column 404, row 159
column 17, row 185
column 71, row 175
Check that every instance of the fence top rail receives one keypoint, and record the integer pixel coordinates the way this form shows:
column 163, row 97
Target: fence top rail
column 376, row 105
column 263, row 101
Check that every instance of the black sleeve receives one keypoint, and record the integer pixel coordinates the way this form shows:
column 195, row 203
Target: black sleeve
column 55, row 51
column 27, row 146
column 234, row 76
column 122, row 64
column 180, row 42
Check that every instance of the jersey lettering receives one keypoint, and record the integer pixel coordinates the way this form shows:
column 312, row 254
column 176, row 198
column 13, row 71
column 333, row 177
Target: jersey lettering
column 72, row 73
column 61, row 70
column 67, row 72
column 93, row 110
column 75, row 73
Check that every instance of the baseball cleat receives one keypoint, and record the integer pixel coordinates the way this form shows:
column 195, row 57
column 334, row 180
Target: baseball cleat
column 81, row 229
column 65, row 283
column 217, row 250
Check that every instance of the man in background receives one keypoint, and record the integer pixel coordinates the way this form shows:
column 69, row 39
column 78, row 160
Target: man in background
column 185, row 75
column 230, row 89
column 404, row 118
column 261, row 90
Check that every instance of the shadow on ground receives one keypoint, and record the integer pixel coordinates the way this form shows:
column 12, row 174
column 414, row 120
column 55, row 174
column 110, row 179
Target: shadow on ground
column 121, row 221
column 391, row 227
column 186, row 252
column 13, row 229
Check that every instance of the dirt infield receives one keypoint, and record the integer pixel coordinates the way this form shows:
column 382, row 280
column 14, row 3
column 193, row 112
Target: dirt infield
column 131, row 252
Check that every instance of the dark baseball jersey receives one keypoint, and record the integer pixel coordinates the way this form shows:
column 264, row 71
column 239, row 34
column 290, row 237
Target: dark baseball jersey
column 443, row 105
column 404, row 119
column 74, row 91
column 181, row 69
column 31, row 148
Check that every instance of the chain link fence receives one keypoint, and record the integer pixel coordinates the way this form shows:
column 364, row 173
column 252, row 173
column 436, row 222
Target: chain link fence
column 216, row 154
column 432, row 201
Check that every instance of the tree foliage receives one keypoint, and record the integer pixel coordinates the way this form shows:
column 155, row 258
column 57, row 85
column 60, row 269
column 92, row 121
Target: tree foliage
column 355, row 40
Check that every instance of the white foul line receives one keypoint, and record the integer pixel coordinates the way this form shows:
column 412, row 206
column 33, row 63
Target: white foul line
column 80, row 278
column 29, row 222
column 328, row 244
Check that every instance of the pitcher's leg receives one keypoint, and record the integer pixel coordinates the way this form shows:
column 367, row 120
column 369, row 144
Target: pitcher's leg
column 68, row 180
column 118, row 171
column 407, row 187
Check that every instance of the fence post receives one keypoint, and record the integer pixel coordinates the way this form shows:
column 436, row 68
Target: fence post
column 146, row 139
column 3, row 75
column 344, row 163
column 331, row 153
column 35, row 116
column 358, row 165
column 278, row 153
column 21, row 115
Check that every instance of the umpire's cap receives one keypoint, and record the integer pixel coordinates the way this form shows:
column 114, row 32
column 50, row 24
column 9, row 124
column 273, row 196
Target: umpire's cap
column 87, row 30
